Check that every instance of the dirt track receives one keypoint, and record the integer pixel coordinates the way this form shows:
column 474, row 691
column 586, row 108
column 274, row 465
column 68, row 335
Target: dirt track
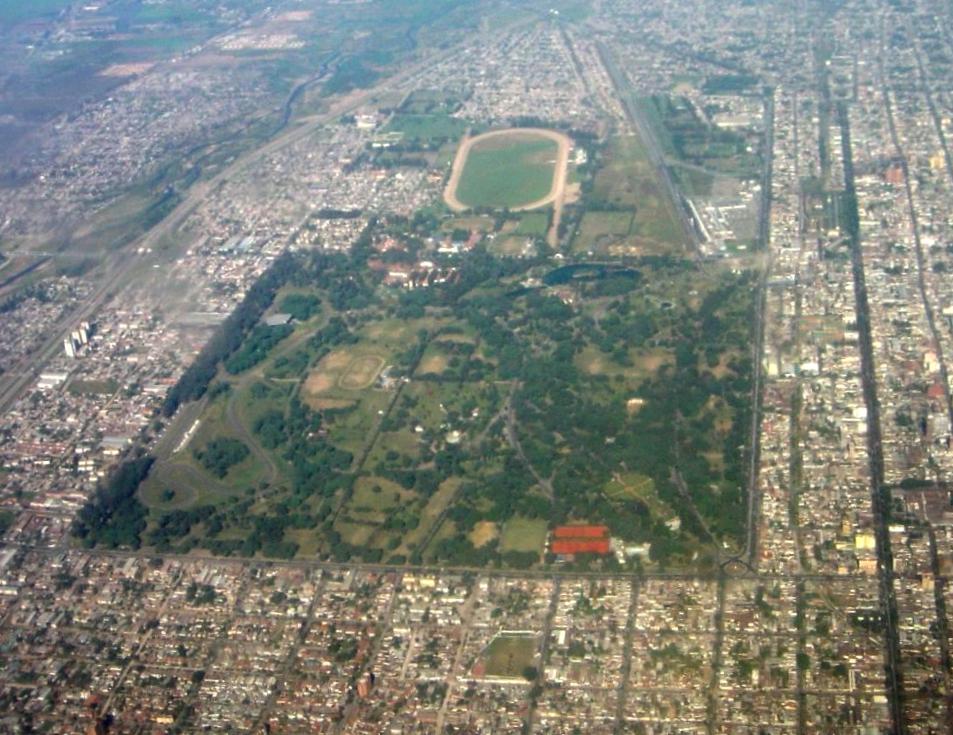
column 556, row 193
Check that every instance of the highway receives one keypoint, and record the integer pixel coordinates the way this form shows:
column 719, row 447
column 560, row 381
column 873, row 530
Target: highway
column 123, row 267
column 879, row 499
column 939, row 601
column 764, row 226
column 757, row 350
column 24, row 372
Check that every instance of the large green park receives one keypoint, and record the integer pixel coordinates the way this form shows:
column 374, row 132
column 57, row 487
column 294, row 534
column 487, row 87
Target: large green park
column 455, row 424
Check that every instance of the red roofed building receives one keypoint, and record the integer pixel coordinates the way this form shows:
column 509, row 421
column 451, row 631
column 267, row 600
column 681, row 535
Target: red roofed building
column 580, row 546
column 580, row 540
column 581, row 532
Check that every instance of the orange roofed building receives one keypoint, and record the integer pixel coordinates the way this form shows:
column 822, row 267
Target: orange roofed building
column 580, row 540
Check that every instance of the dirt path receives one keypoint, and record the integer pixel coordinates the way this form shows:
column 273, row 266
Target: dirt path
column 244, row 434
column 509, row 431
column 556, row 193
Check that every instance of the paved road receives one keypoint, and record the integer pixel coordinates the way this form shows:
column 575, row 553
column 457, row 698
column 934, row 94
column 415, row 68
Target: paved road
column 742, row 573
column 652, row 147
column 885, row 573
column 544, row 652
column 757, row 351
column 556, row 191
column 239, row 428
column 626, row 669
column 939, row 601
column 123, row 267
column 23, row 373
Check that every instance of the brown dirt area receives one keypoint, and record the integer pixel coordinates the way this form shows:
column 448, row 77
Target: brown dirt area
column 336, row 360
column 361, row 372
column 126, row 70
column 483, row 533
column 327, row 404
column 434, row 364
column 318, row 382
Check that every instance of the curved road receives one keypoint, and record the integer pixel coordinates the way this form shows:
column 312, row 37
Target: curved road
column 556, row 192
column 240, row 429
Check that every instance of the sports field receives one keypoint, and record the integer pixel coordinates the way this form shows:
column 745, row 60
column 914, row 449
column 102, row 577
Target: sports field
column 522, row 168
column 509, row 655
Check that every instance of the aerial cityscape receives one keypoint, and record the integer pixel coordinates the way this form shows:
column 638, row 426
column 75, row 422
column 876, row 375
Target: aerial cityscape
column 476, row 366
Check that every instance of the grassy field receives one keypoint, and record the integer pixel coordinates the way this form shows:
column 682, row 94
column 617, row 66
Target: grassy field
column 434, row 362
column 484, row 532
column 598, row 229
column 512, row 245
column 632, row 486
column 642, row 364
column 534, row 224
column 694, row 182
column 508, row 171
column 508, row 656
column 523, row 534
column 427, row 128
column 429, row 515
column 475, row 222
column 627, row 181
column 429, row 102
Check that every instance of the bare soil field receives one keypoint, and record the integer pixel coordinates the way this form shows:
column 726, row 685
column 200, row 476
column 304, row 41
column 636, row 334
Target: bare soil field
column 362, row 372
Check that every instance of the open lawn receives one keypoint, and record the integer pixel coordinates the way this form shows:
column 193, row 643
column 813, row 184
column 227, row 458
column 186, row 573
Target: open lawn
column 599, row 228
column 627, row 179
column 632, row 486
column 513, row 245
column 643, row 364
column 508, row 171
column 447, row 352
column 508, row 656
column 523, row 534
column 429, row 102
column 594, row 361
column 534, row 224
column 352, row 428
column 376, row 494
column 157, row 492
column 476, row 222
column 346, row 370
column 427, row 128
column 696, row 182
column 446, row 530
column 361, row 372
column 429, row 515
column 375, row 498
column 356, row 534
column 433, row 363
